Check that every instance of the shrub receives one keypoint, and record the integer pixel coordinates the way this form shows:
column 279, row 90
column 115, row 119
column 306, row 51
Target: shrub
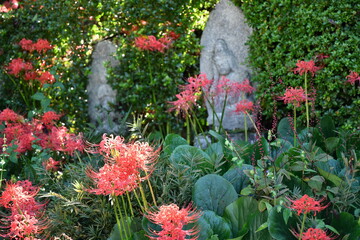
column 324, row 31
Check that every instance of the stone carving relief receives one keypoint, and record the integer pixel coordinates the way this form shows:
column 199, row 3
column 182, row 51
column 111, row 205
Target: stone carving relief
column 224, row 54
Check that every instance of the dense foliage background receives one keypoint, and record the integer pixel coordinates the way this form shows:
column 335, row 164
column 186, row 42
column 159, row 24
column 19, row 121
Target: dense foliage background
column 286, row 31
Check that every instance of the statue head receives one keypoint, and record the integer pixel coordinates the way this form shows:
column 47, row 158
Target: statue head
column 223, row 57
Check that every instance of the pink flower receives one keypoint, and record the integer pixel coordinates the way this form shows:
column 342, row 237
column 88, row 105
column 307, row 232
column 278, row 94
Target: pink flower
column 27, row 45
column 46, row 77
column 314, row 234
column 8, row 115
column 244, row 86
column 51, row 164
column 18, row 65
column 49, row 117
column 306, row 204
column 197, row 83
column 244, row 106
column 186, row 100
column 306, row 67
column 353, row 77
column 150, row 43
column 42, row 45
column 113, row 179
column 294, row 96
column 172, row 220
column 30, row 76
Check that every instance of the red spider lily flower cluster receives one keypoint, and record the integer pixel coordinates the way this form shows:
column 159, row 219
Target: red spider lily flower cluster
column 9, row 5
column 294, row 96
column 190, row 94
column 244, row 106
column 40, row 131
column 307, row 204
column 150, row 43
column 172, row 220
column 244, row 87
column 25, row 219
column 314, row 234
column 304, row 67
column 25, row 69
column 125, row 165
column 353, row 77
column 51, row 165
column 41, row 46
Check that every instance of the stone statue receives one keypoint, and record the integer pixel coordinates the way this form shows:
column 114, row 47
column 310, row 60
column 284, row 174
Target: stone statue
column 224, row 55
column 101, row 95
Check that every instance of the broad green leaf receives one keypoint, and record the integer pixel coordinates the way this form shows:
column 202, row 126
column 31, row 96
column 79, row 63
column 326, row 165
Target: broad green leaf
column 172, row 141
column 237, row 177
column 277, row 227
column 331, row 177
column 213, row 192
column 332, row 143
column 327, row 127
column 212, row 224
column 38, row 96
column 285, row 130
column 345, row 223
column 245, row 219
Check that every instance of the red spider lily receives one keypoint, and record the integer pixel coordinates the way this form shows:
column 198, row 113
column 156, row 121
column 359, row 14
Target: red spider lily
column 9, row 5
column 151, row 44
column 198, row 83
column 27, row 45
column 46, row 77
column 108, row 145
column 113, row 179
column 8, row 115
column 186, row 100
column 314, row 234
column 353, row 77
column 16, row 66
column 172, row 220
column 244, row 106
column 307, row 204
column 306, row 67
column 42, row 46
column 51, row 164
column 224, row 86
column 31, row 76
column 294, row 96
column 173, row 35
column 244, row 86
column 24, row 221
column 49, row 117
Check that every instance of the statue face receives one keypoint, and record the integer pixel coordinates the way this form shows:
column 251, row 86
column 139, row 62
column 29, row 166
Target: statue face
column 222, row 65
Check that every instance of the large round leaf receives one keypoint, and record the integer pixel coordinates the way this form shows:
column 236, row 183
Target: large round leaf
column 245, row 219
column 237, row 177
column 213, row 192
column 191, row 157
column 211, row 224
column 346, row 225
column 172, row 141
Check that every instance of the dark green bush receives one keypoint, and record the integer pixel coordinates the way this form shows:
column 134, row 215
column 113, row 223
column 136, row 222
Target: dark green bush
column 286, row 31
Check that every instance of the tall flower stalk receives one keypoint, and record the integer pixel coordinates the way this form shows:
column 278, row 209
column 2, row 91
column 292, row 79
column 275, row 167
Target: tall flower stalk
column 127, row 166
column 294, row 96
column 304, row 67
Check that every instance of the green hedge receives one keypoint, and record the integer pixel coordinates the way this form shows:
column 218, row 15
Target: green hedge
column 286, row 31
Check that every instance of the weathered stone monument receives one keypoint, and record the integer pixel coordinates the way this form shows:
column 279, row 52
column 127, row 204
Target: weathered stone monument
column 101, row 95
column 224, row 54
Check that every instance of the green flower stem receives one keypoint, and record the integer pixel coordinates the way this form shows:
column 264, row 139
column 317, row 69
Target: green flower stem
column 151, row 189
column 129, row 201
column 139, row 202
column 143, row 197
column 245, row 127
column 294, row 126
column 306, row 102
column 302, row 226
column 252, row 121
column 124, row 224
column 118, row 221
column 213, row 110
column 188, row 132
column 222, row 113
